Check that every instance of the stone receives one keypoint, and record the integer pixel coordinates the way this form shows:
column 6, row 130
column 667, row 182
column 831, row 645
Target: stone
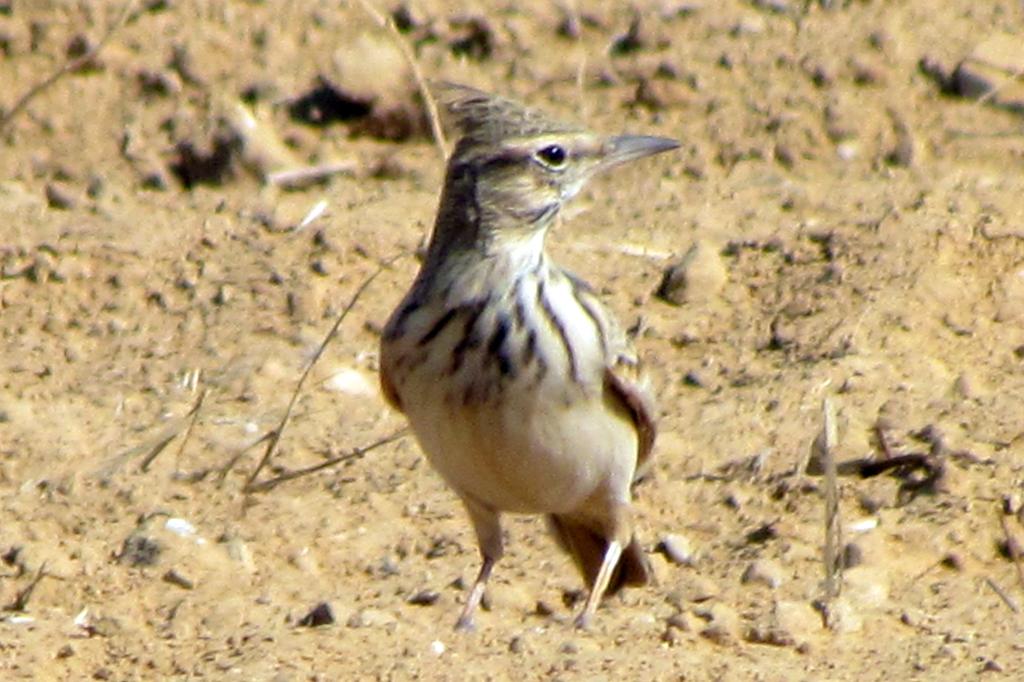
column 424, row 597
column 174, row 577
column 992, row 72
column 678, row 549
column 699, row 276
column 764, row 572
column 723, row 624
column 139, row 550
column 321, row 614
column 59, row 196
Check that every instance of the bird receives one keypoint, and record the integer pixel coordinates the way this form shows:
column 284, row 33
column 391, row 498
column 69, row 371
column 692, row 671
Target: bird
column 518, row 384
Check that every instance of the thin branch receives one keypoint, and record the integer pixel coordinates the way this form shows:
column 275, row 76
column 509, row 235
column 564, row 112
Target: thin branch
column 833, row 529
column 388, row 25
column 276, row 433
column 152, row 448
column 67, row 67
column 358, row 453
column 1001, row 593
column 194, row 413
column 226, row 469
column 20, row 601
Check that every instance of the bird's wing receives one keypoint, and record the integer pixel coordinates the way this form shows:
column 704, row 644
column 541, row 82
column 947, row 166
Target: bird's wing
column 624, row 384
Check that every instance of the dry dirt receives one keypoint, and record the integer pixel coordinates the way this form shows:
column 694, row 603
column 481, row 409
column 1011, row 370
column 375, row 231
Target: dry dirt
column 860, row 237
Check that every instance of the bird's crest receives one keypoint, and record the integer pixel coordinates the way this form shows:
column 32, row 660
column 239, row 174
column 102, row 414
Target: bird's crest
column 484, row 119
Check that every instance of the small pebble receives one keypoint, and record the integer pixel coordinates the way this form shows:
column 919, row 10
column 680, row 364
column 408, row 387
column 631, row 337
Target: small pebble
column 868, row 73
column 953, row 562
column 678, row 549
column 682, row 621
column 139, row 550
column 60, row 196
column 175, row 578
column 224, row 294
column 321, row 614
column 698, row 276
column 695, row 378
column 991, row 666
column 350, row 381
column 852, row 555
column 988, row 71
column 542, row 608
column 723, row 624
column 763, row 571
column 424, row 598
column 867, row 523
column 517, row 645
column 847, row 151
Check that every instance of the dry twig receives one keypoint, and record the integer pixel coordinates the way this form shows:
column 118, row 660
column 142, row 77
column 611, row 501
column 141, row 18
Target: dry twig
column 833, row 528
column 275, row 435
column 1001, row 593
column 388, row 25
column 226, row 469
column 20, row 601
column 358, row 453
column 192, row 416
column 152, row 447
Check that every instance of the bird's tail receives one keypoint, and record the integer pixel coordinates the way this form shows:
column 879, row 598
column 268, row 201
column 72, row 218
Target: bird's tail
column 587, row 548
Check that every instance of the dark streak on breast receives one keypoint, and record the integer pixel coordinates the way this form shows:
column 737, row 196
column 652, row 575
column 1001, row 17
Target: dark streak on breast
column 496, row 345
column 438, row 327
column 395, row 328
column 549, row 312
column 470, row 336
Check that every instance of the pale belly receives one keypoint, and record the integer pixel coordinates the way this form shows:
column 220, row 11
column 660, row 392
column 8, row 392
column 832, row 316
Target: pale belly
column 528, row 453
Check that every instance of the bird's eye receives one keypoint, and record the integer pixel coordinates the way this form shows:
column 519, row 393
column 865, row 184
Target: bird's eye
column 553, row 155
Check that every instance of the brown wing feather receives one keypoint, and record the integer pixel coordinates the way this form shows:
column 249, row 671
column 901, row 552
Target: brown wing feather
column 622, row 386
column 636, row 400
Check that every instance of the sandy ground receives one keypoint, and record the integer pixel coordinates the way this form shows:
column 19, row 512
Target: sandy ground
column 854, row 233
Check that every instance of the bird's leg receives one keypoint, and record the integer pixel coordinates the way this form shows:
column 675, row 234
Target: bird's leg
column 487, row 525
column 597, row 590
column 618, row 531
column 465, row 621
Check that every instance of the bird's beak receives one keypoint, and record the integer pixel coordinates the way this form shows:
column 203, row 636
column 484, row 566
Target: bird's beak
column 624, row 148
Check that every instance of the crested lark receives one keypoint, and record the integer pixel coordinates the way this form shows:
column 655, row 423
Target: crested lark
column 518, row 385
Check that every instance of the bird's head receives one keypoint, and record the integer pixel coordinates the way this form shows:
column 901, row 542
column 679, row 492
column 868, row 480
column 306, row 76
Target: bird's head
column 518, row 167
